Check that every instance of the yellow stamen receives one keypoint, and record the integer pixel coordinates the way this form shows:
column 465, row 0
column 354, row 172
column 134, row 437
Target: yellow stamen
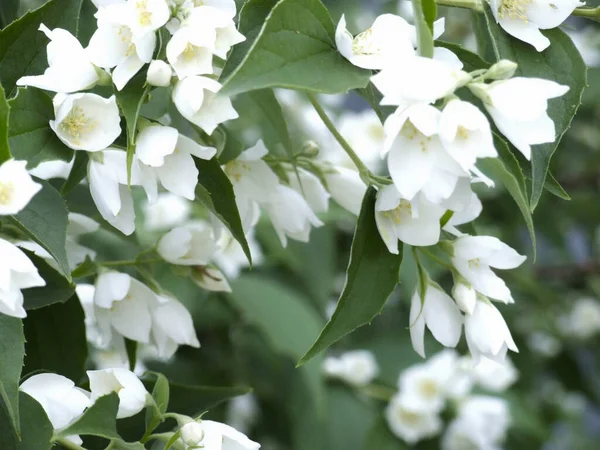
column 473, row 263
column 76, row 125
column 462, row 132
column 7, row 190
column 364, row 45
column 145, row 16
column 397, row 214
column 514, row 9
column 189, row 51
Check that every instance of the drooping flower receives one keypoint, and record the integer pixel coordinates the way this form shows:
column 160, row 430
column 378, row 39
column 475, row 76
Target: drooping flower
column 189, row 51
column 87, row 122
column 519, row 106
column 410, row 424
column 159, row 73
column 231, row 258
column 439, row 313
column 17, row 188
column 346, row 188
column 192, row 244
column 475, row 255
column 524, row 19
column 310, row 187
column 218, row 17
column 77, row 226
column 69, row 69
column 210, row 278
column 131, row 391
column 168, row 211
column 357, row 367
column 172, row 326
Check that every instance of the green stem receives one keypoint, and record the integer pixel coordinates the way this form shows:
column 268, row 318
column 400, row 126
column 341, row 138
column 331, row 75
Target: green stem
column 365, row 174
column 468, row 4
column 437, row 259
column 588, row 13
column 68, row 444
column 424, row 34
column 131, row 262
column 379, row 392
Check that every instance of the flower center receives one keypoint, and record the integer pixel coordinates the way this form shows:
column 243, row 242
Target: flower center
column 428, row 388
column 189, row 52
column 514, row 9
column 363, row 44
column 399, row 213
column 411, row 132
column 473, row 263
column 76, row 125
column 7, row 190
column 198, row 3
column 125, row 35
column 236, row 169
column 409, row 418
column 144, row 16
column 463, row 133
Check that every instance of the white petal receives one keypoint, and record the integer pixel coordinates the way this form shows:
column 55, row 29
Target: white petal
column 417, row 325
column 154, row 143
column 443, row 317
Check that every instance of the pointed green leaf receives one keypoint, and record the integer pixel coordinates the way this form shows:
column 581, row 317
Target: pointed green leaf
column 12, row 351
column 160, row 395
column 78, row 172
column 57, row 290
column 295, row 48
column 36, row 429
column 4, row 110
column 8, row 12
column 100, row 419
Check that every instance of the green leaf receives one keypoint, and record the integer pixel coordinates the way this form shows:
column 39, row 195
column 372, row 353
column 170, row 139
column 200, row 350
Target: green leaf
column 119, row 444
column 373, row 98
column 562, row 63
column 36, row 429
column 56, row 340
column 424, row 31
column 193, row 400
column 131, row 99
column 371, row 277
column 4, row 115
column 471, row 61
column 30, row 137
column 160, row 395
column 131, row 348
column 57, row 290
column 78, row 172
column 381, row 438
column 215, row 191
column 231, row 146
column 429, row 13
column 12, row 349
column 45, row 220
column 8, row 12
column 295, row 48
column 23, row 46
column 100, row 419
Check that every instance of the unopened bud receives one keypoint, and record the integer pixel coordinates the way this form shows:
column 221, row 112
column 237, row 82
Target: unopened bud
column 310, row 149
column 480, row 90
column 465, row 296
column 502, row 70
column 104, row 78
column 463, row 78
column 192, row 434
column 159, row 73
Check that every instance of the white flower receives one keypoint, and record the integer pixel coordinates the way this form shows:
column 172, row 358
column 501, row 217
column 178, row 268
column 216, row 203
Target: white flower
column 172, row 326
column 197, row 100
column 132, row 393
column 417, row 160
column 16, row 187
column 463, row 212
column 62, row 401
column 310, row 187
column 524, row 19
column 242, row 412
column 495, row 376
column 125, row 305
column 489, row 414
column 192, row 434
column 159, row 73
column 518, row 107
column 87, row 122
column 189, row 51
column 346, row 188
column 231, row 257
column 69, row 69
column 107, row 175
column 168, row 211
column 78, row 225
column 439, row 313
column 409, row 424
column 415, row 222
column 475, row 255
column 386, row 40
column 461, row 434
column 487, row 333
column 47, row 170
column 357, row 367
column 465, row 296
column 146, row 16
column 192, row 244
column 210, row 278
column 587, row 42
column 251, row 176
column 290, row 215
column 424, row 387
column 216, row 435
column 417, row 80
column 364, row 132
column 465, row 133
column 16, row 272
column 583, row 321
column 114, row 44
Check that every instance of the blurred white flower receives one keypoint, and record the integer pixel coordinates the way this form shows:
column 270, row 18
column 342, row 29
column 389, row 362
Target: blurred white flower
column 544, row 344
column 242, row 412
column 168, row 211
column 216, row 435
column 410, row 424
column 87, row 121
column 495, row 376
column 346, row 188
column 210, row 278
column 583, row 321
column 69, row 69
column 489, row 414
column 357, row 367
column 587, row 41
column 172, row 326
column 17, row 188
column 461, row 435
column 192, row 244
column 310, row 187
column 77, row 226
column 131, row 391
column 231, row 258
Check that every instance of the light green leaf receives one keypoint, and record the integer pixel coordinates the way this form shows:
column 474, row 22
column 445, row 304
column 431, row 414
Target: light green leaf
column 4, row 115
column 57, row 290
column 424, row 31
column 36, row 429
column 100, row 419
column 56, row 340
column 160, row 395
column 429, row 13
column 215, row 191
column 8, row 11
column 45, row 220
column 23, row 46
column 562, row 63
column 295, row 49
column 381, row 438
column 30, row 136
column 371, row 277
column 12, row 351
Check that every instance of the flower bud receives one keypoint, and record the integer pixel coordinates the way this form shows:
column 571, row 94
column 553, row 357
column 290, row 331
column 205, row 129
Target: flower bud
column 159, row 73
column 192, row 434
column 465, row 296
column 502, row 70
column 310, row 149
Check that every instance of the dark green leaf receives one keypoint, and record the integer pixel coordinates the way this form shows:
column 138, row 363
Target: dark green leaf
column 373, row 98
column 295, row 48
column 56, row 340
column 131, row 348
column 231, row 147
column 85, row 269
column 215, row 191
column 8, row 11
column 29, row 136
column 561, row 62
column 430, row 13
column 100, row 419
column 471, row 61
column 371, row 277
column 118, row 444
column 36, row 429
column 160, row 395
column 193, row 400
column 130, row 100
column 45, row 221
column 12, row 351
column 4, row 115
column 23, row 46
column 57, row 290
column 78, row 172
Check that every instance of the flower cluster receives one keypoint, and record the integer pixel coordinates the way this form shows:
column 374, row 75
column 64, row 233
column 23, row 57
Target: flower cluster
column 433, row 141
